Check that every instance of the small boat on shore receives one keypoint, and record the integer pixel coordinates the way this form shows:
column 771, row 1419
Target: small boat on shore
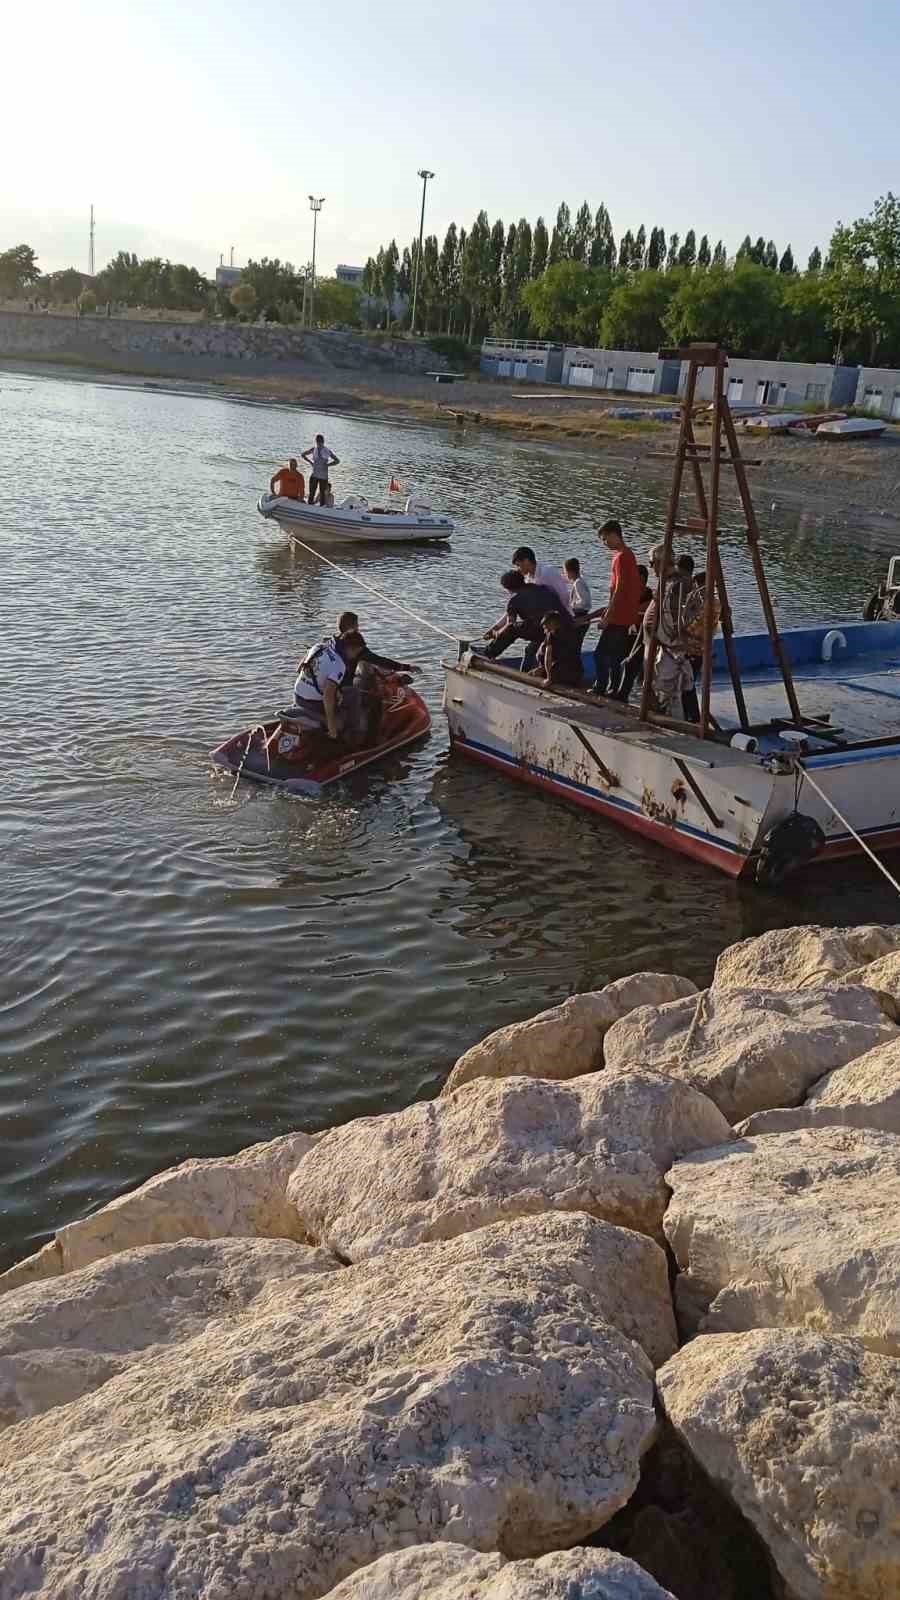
column 355, row 521
column 851, row 428
column 285, row 755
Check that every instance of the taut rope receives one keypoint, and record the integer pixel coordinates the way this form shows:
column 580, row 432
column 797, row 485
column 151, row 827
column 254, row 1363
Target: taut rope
column 389, row 599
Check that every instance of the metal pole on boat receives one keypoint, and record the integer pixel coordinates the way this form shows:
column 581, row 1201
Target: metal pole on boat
column 424, row 174
column 671, row 519
column 315, row 206
column 712, row 547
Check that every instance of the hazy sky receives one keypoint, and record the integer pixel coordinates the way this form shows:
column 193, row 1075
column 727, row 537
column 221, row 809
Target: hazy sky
column 195, row 127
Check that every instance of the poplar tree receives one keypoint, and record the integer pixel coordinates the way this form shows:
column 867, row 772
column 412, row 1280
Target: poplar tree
column 786, row 264
column 561, row 241
column 687, row 255
column 704, row 256
column 672, row 257
column 540, row 248
column 814, row 264
column 603, row 244
column 581, row 233
column 639, row 253
column 720, row 257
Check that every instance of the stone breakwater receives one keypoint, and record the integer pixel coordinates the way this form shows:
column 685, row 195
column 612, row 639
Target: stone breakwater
column 99, row 338
column 615, row 1317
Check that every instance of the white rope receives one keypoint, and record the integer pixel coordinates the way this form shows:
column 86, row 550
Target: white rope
column 422, row 621
column 852, row 831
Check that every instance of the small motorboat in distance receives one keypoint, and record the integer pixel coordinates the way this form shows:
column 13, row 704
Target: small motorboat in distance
column 851, row 428
column 355, row 520
column 288, row 756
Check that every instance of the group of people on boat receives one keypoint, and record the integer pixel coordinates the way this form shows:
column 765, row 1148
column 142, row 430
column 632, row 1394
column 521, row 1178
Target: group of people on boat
column 288, row 482
column 549, row 610
column 338, row 688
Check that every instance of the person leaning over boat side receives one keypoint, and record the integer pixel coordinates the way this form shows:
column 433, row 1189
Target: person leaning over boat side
column 620, row 614
column 559, row 658
column 533, row 571
column 287, row 483
column 347, row 622
column 320, row 459
column 320, row 676
column 526, row 608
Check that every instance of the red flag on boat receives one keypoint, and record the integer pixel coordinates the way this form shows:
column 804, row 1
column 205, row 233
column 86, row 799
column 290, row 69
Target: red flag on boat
column 394, row 487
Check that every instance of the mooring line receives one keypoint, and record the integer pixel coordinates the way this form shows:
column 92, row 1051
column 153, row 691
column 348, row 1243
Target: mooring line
column 850, row 829
column 370, row 588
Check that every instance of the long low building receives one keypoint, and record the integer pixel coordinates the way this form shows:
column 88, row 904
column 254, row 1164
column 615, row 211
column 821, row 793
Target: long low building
column 780, row 383
column 878, row 391
column 632, row 371
column 531, row 360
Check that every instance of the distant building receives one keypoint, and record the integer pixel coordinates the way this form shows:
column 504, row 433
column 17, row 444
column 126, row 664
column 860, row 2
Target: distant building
column 878, row 391
column 227, row 277
column 533, row 359
column 345, row 274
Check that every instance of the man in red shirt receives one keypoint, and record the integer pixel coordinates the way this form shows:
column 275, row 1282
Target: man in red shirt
column 620, row 614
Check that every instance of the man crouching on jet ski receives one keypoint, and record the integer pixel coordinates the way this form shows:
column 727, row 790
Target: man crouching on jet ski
column 320, row 701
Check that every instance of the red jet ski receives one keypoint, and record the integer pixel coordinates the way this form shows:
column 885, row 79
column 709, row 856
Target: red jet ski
column 303, row 762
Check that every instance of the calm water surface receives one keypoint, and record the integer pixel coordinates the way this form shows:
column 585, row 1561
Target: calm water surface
column 184, row 972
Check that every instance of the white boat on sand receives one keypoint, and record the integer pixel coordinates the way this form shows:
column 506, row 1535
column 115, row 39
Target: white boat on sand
column 355, row 521
column 851, row 428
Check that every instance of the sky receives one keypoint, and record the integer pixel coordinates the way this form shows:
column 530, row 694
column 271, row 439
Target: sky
column 196, row 128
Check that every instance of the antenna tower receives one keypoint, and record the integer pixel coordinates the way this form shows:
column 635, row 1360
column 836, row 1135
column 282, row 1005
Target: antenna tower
column 91, row 246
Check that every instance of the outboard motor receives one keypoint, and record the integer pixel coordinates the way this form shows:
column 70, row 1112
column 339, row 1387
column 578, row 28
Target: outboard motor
column 793, row 842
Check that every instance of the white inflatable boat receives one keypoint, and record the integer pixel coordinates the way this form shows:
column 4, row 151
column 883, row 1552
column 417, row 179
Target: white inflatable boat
column 355, row 520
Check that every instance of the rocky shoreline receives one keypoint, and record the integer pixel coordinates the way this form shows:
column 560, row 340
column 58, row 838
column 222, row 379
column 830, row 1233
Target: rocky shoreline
column 615, row 1317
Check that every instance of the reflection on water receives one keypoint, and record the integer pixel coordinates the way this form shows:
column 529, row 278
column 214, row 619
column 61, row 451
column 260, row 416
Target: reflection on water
column 183, row 972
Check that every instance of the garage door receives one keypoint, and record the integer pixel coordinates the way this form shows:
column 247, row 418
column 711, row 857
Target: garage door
column 895, row 406
column 521, row 369
column 581, row 374
column 640, row 380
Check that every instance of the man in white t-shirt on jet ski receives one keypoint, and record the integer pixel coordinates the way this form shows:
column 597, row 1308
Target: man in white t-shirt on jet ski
column 318, row 702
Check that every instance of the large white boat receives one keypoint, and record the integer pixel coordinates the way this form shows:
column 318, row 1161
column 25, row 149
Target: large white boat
column 797, row 754
column 355, row 521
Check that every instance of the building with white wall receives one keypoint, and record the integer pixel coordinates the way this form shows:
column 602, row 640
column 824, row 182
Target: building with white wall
column 532, row 360
column 878, row 391
column 780, row 383
column 626, row 371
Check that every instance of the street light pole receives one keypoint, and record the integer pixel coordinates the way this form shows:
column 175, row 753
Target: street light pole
column 315, row 207
column 424, row 174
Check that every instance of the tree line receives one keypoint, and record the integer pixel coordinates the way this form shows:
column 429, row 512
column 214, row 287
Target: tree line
column 577, row 285
column 272, row 289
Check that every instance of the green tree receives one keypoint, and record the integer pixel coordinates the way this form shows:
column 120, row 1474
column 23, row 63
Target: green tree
column 741, row 309
column 806, row 334
column 634, row 318
column 540, row 248
column 475, row 272
column 687, row 255
column 603, row 244
column 62, row 287
column 656, row 250
column 786, row 264
column 582, row 233
column 770, row 257
column 745, row 249
column 567, row 301
column 864, row 278
column 704, row 257
column 561, row 240
column 272, row 280
column 814, row 264
column 336, row 302
column 243, row 298
column 719, row 255
column 626, row 251
column 448, row 272
column 87, row 302
column 758, row 252
column 18, row 271
column 639, row 253
column 672, row 257
column 388, row 261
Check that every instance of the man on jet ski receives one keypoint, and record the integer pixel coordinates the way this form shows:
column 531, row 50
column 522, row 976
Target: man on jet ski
column 321, row 702
column 349, row 620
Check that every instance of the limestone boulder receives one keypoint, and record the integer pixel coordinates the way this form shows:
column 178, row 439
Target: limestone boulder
column 864, row 1094
column 802, row 957
column 451, row 1572
column 803, row 1433
column 883, row 975
column 502, row 1147
column 471, row 1391
column 240, row 1196
column 751, row 1049
column 793, row 1229
column 567, row 1040
column 58, row 1340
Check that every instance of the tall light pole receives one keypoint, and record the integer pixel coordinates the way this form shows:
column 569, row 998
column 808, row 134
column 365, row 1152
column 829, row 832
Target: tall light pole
column 424, row 174
column 315, row 207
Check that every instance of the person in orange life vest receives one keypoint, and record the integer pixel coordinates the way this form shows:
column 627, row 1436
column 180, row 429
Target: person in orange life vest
column 288, row 482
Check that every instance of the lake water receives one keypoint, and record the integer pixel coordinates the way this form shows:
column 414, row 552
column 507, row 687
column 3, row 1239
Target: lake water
column 184, row 972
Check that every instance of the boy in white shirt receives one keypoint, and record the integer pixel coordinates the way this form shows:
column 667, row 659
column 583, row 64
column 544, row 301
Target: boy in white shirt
column 579, row 597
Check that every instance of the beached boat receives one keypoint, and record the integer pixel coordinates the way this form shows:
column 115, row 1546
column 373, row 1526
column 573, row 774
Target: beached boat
column 355, row 521
column 851, row 428
column 797, row 754
column 286, row 756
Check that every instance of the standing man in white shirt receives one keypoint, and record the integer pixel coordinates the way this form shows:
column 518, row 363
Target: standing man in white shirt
column 320, row 458
column 533, row 571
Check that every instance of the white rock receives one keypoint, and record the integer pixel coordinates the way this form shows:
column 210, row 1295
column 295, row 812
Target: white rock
column 802, row 957
column 502, row 1148
column 803, row 1432
column 240, row 1196
column 451, row 1572
column 60, row 1339
column 883, row 975
column 567, row 1040
column 470, row 1391
column 750, row 1049
column 793, row 1229
column 864, row 1094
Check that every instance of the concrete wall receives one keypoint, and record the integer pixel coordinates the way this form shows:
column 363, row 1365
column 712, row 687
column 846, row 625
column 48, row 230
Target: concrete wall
column 885, row 379
column 791, row 383
column 534, row 361
column 627, row 370
column 202, row 344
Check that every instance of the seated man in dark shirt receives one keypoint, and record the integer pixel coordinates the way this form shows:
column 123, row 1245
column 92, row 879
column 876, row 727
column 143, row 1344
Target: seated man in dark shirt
column 528, row 604
column 347, row 622
column 560, row 660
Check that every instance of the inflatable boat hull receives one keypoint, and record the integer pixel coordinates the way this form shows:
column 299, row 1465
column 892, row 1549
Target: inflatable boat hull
column 354, row 523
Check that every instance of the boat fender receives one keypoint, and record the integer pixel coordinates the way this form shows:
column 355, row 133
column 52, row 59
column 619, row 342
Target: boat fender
column 832, row 637
column 744, row 741
column 791, row 843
